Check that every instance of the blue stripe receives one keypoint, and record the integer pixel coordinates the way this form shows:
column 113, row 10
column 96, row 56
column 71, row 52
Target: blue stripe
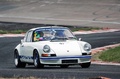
column 56, row 58
column 26, row 57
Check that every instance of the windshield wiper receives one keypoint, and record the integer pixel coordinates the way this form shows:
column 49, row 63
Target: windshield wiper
column 71, row 38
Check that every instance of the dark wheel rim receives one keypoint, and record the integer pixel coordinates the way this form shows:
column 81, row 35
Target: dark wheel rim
column 17, row 61
column 16, row 58
column 36, row 59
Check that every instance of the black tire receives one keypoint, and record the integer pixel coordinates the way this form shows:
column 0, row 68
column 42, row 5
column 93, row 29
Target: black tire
column 64, row 66
column 18, row 63
column 85, row 65
column 36, row 60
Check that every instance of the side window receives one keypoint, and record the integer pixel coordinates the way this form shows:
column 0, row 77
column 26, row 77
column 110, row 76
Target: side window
column 29, row 37
column 38, row 36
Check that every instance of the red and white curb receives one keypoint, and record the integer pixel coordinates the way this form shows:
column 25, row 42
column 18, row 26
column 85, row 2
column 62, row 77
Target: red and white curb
column 105, row 63
column 12, row 35
column 96, row 31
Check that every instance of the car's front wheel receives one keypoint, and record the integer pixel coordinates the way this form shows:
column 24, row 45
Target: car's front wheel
column 17, row 61
column 85, row 65
column 36, row 60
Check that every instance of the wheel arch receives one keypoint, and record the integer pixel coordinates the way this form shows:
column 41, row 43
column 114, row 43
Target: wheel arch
column 37, row 51
column 34, row 51
column 17, row 48
column 16, row 51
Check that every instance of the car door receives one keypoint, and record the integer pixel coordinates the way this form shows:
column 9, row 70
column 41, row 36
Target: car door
column 27, row 48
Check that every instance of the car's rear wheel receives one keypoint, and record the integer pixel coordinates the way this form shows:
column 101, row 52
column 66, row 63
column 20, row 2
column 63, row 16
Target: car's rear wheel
column 17, row 61
column 85, row 65
column 36, row 60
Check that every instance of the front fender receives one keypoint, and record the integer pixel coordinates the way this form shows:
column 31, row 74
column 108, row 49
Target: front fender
column 81, row 44
column 18, row 48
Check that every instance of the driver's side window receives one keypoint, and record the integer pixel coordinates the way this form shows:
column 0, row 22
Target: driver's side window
column 28, row 37
column 38, row 36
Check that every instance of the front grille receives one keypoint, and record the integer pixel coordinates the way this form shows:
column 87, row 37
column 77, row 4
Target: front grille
column 70, row 61
column 53, row 55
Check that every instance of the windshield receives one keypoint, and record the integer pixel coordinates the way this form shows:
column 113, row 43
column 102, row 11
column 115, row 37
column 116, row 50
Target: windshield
column 53, row 34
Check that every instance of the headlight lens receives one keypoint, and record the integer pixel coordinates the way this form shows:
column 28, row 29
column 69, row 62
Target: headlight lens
column 87, row 47
column 46, row 49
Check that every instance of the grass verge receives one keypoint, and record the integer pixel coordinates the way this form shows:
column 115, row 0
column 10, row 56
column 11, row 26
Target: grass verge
column 111, row 55
column 12, row 32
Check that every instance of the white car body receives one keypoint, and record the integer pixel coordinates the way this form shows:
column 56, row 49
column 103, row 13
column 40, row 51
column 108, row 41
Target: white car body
column 62, row 51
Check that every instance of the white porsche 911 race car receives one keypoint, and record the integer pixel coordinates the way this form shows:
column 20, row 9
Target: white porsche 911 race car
column 52, row 46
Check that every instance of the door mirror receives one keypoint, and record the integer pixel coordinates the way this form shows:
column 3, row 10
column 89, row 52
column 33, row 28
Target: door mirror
column 80, row 39
column 22, row 41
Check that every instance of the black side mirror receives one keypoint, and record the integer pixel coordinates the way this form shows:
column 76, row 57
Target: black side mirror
column 22, row 41
column 80, row 39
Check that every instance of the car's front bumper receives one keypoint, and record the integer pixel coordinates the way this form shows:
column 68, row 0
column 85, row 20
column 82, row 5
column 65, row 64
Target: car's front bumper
column 65, row 60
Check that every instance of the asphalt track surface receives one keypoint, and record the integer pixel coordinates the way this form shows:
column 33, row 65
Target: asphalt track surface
column 97, row 13
column 7, row 68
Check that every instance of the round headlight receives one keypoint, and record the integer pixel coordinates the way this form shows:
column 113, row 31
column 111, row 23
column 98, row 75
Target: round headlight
column 46, row 49
column 87, row 47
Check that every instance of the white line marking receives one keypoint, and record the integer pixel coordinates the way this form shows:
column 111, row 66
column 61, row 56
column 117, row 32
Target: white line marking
column 42, row 5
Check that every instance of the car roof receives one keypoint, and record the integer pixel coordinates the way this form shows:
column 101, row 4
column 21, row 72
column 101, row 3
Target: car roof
column 45, row 27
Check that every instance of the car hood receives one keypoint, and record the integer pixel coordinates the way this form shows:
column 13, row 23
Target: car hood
column 67, row 48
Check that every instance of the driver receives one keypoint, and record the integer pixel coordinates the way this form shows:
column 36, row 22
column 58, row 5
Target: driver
column 38, row 36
